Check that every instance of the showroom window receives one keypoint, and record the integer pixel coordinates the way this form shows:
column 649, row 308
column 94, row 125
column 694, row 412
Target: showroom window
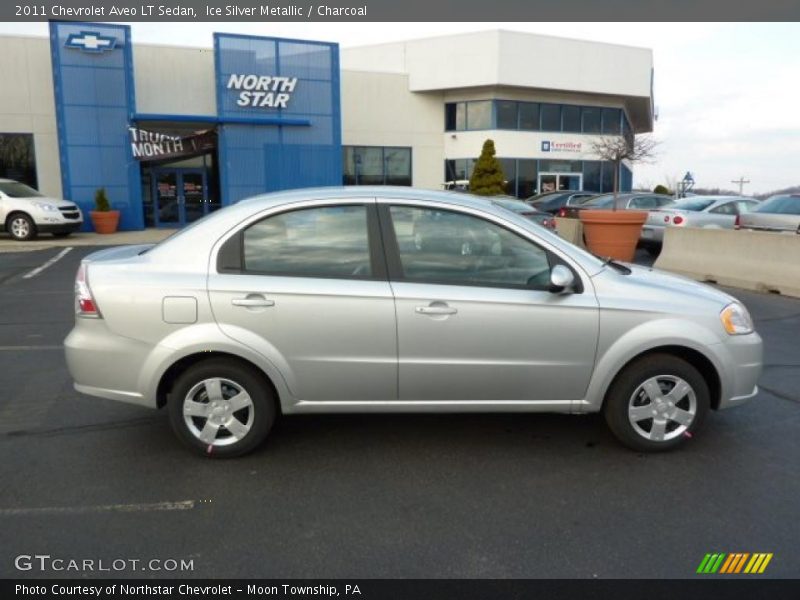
column 329, row 241
column 377, row 165
column 18, row 158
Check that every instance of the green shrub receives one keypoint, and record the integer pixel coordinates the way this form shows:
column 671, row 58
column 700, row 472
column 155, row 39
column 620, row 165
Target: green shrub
column 101, row 202
column 487, row 178
column 661, row 189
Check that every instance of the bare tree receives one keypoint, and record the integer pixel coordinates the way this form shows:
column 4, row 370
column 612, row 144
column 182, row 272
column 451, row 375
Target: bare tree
column 616, row 149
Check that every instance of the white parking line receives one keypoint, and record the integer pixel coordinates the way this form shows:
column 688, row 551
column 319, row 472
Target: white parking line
column 49, row 263
column 75, row 510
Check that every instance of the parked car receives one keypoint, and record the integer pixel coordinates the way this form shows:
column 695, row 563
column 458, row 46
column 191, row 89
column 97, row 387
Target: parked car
column 24, row 212
column 717, row 212
column 777, row 213
column 544, row 219
column 323, row 301
column 624, row 201
column 553, row 201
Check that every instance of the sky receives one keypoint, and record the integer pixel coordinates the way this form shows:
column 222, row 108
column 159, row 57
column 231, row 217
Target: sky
column 726, row 93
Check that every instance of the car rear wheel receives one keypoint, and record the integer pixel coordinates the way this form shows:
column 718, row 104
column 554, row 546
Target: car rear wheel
column 221, row 408
column 21, row 227
column 657, row 403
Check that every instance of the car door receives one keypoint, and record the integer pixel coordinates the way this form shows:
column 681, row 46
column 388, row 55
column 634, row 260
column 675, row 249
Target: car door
column 475, row 321
column 307, row 288
column 722, row 216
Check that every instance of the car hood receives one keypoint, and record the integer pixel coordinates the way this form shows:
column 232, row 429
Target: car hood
column 59, row 202
column 658, row 290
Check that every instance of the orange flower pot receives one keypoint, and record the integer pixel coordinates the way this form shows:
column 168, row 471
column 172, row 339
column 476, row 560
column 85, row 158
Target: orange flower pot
column 613, row 233
column 105, row 221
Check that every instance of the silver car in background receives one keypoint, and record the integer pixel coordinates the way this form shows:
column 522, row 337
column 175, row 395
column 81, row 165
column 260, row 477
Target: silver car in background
column 715, row 212
column 777, row 213
column 388, row 299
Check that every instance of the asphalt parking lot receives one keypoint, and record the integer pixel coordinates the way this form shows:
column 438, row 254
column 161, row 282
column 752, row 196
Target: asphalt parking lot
column 462, row 496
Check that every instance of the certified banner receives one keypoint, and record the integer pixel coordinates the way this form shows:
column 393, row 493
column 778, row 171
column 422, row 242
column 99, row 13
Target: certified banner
column 153, row 145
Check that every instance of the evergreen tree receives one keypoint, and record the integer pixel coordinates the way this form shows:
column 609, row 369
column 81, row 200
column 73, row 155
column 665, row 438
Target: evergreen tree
column 487, row 176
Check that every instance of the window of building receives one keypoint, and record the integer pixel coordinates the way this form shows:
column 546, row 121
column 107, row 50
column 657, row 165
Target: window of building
column 529, row 116
column 591, row 175
column 455, row 115
column 507, row 113
column 612, row 120
column 377, row 165
column 627, row 130
column 607, row 183
column 527, row 175
column 18, row 158
column 444, row 247
column 591, row 119
column 551, row 117
column 330, row 241
column 510, row 172
column 459, row 169
column 571, row 118
column 479, row 115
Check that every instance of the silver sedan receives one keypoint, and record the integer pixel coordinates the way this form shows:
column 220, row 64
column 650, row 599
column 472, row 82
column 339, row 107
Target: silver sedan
column 715, row 212
column 778, row 213
column 398, row 300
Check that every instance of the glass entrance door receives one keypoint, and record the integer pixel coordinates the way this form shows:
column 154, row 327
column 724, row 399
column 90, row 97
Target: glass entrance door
column 180, row 196
column 558, row 182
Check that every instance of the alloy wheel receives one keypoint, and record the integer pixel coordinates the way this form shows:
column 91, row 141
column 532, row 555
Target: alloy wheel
column 218, row 411
column 662, row 408
column 20, row 228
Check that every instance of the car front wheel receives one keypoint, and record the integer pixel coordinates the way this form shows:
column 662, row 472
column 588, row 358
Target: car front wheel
column 21, row 227
column 657, row 403
column 221, row 408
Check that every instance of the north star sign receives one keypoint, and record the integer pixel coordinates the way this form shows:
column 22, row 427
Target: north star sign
column 262, row 91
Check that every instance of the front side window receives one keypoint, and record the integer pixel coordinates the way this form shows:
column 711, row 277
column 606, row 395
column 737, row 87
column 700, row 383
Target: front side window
column 450, row 248
column 729, row 208
column 645, row 202
column 328, row 241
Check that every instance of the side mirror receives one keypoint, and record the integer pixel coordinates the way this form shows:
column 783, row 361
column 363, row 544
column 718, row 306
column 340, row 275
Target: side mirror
column 561, row 279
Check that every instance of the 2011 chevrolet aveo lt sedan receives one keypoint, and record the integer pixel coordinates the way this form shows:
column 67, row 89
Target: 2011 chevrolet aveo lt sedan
column 399, row 300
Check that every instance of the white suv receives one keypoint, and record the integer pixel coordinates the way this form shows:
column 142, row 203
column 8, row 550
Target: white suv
column 24, row 212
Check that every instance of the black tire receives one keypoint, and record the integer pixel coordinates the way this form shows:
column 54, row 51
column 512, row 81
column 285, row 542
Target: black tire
column 237, row 377
column 62, row 234
column 21, row 227
column 620, row 399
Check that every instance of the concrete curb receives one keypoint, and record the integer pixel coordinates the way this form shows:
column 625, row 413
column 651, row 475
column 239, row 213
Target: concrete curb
column 121, row 238
column 754, row 260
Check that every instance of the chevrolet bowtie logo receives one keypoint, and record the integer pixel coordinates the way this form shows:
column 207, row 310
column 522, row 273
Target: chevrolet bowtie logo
column 90, row 42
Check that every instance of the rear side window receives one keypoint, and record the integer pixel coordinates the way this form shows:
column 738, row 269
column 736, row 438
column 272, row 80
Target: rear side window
column 329, row 241
column 644, row 202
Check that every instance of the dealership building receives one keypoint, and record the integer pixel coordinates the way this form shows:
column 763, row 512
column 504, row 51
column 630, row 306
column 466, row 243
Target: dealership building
column 174, row 132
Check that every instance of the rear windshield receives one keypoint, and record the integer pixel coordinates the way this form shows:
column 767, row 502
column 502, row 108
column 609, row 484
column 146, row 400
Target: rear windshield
column 606, row 200
column 695, row 204
column 15, row 189
column 515, row 205
column 786, row 205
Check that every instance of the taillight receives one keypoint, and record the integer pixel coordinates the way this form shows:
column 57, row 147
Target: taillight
column 562, row 212
column 549, row 223
column 677, row 220
column 85, row 306
column 737, row 224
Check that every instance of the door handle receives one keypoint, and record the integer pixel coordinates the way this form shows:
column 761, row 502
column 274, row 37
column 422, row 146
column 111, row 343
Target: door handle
column 253, row 301
column 436, row 310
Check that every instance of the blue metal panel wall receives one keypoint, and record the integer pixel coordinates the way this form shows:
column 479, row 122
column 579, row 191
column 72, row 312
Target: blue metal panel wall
column 95, row 101
column 257, row 158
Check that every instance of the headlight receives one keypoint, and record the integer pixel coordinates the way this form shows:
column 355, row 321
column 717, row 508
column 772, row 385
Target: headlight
column 736, row 320
column 46, row 207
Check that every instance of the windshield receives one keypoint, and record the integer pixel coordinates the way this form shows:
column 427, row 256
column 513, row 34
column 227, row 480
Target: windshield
column 694, row 204
column 787, row 205
column 15, row 189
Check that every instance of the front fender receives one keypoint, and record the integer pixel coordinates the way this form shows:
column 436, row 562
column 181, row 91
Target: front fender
column 643, row 338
